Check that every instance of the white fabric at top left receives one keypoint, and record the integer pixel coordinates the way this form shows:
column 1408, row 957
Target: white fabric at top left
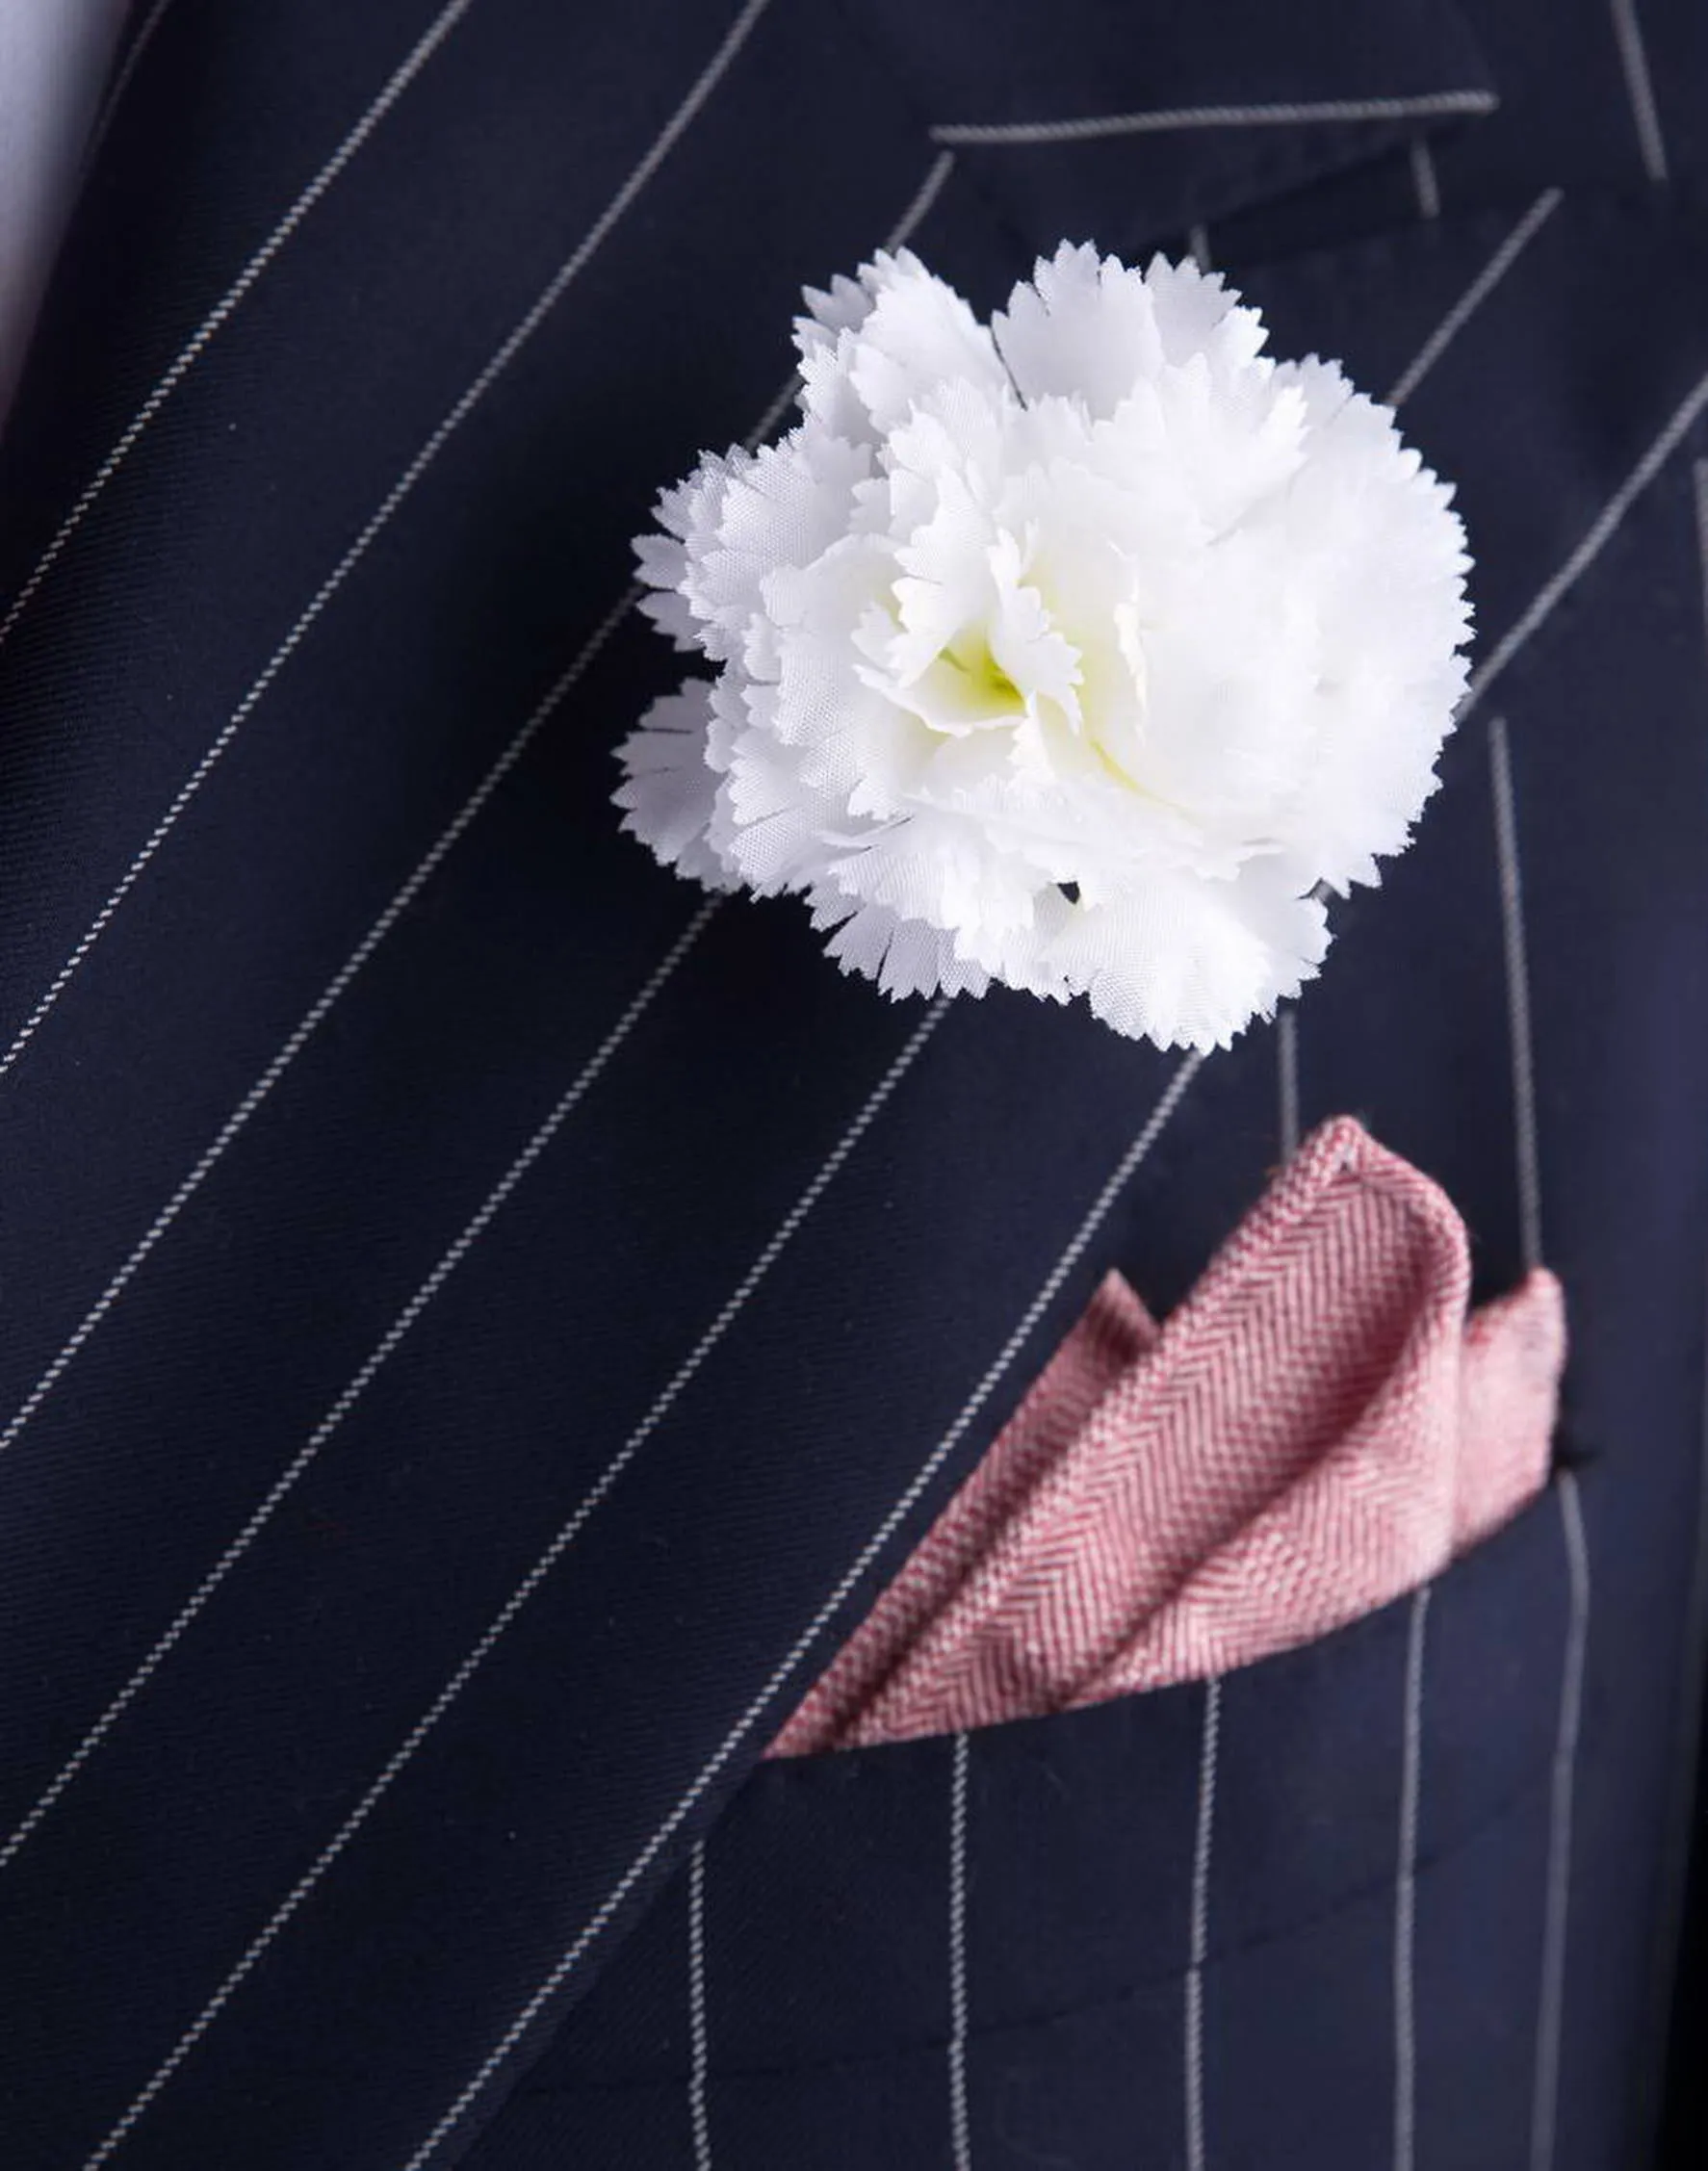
column 54, row 55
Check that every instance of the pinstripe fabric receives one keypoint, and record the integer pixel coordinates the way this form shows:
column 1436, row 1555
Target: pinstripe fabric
column 477, row 1334
column 960, row 2124
column 699, row 2019
column 1203, row 1858
column 1404, row 1988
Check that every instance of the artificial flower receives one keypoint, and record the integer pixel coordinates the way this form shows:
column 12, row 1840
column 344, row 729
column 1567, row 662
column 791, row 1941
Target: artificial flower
column 1086, row 651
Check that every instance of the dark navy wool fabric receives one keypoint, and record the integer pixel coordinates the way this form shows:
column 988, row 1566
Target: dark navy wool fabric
column 480, row 1325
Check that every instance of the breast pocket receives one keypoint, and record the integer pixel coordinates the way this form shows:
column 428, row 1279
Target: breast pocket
column 1298, row 1914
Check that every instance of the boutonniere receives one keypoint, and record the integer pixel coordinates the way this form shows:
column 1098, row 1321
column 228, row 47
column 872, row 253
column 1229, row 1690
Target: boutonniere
column 1087, row 651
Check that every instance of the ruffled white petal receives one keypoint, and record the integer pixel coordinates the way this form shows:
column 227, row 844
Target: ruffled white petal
column 861, row 371
column 1079, row 654
column 1188, row 963
column 1093, row 329
column 668, row 791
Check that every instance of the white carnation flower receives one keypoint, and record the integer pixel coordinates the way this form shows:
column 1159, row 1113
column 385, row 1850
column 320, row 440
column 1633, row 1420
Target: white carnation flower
column 1080, row 651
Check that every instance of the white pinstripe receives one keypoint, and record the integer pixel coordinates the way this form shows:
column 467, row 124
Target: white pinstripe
column 657, row 1410
column 1286, row 1064
column 1326, row 110
column 785, row 398
column 199, row 340
column 699, row 2027
column 510, row 346
column 960, row 2125
column 1203, row 1837
column 1198, row 241
column 791, row 1663
column 1475, row 294
column 1423, row 178
column 929, row 190
column 1428, row 355
column 1594, row 540
column 383, row 1350
column 1551, row 1998
column 1406, row 1893
column 1551, row 2007
column 307, row 1026
column 1517, row 976
column 1639, row 89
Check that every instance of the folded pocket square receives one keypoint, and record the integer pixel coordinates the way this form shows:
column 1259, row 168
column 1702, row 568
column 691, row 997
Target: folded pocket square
column 1317, row 1429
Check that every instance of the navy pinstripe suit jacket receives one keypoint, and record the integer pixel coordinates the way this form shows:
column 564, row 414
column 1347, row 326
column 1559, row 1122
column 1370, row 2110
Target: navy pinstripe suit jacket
column 477, row 1326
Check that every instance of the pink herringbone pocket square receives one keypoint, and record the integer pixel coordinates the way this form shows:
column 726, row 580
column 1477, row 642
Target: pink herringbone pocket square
column 1319, row 1429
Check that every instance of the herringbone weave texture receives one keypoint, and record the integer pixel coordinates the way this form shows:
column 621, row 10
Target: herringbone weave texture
column 1318, row 1429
